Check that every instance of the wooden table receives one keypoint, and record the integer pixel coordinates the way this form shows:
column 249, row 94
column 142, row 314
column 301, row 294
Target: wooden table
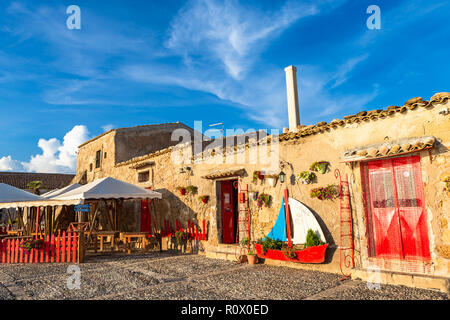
column 128, row 236
column 102, row 235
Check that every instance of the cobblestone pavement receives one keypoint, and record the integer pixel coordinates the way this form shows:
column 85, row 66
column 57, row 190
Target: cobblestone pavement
column 192, row 277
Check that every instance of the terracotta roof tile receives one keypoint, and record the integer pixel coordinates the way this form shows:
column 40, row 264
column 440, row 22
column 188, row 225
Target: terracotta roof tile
column 50, row 180
column 389, row 148
column 411, row 104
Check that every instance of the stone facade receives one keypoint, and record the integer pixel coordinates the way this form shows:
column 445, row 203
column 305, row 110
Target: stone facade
column 417, row 118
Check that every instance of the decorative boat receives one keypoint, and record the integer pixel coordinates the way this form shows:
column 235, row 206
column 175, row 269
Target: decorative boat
column 302, row 220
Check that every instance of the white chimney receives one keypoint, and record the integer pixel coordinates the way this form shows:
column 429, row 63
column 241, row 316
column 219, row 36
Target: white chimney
column 292, row 98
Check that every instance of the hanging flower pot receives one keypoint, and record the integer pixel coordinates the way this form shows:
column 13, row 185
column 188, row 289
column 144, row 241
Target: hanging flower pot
column 263, row 199
column 182, row 190
column 320, row 166
column 306, row 177
column 204, row 199
column 192, row 189
column 324, row 193
column 253, row 195
column 272, row 179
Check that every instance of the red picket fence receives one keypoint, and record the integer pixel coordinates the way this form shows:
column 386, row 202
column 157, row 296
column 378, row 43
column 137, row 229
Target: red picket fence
column 62, row 248
column 194, row 232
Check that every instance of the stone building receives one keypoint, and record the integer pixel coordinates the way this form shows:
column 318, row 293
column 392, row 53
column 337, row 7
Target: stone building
column 395, row 160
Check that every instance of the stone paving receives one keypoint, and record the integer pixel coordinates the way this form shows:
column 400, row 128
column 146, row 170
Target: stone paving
column 171, row 276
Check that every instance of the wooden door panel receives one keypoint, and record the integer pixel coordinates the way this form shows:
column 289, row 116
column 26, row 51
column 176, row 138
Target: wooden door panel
column 413, row 218
column 414, row 233
column 227, row 212
column 385, row 216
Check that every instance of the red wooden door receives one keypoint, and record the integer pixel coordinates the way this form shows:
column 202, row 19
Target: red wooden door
column 397, row 208
column 227, row 212
column 411, row 208
column 146, row 215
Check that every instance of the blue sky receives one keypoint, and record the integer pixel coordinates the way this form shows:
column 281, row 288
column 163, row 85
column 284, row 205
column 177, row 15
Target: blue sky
column 143, row 62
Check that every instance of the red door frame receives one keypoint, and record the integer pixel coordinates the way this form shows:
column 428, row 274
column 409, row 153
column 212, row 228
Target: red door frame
column 146, row 215
column 227, row 210
column 416, row 250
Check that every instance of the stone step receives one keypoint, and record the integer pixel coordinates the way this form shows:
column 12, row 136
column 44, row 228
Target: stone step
column 221, row 255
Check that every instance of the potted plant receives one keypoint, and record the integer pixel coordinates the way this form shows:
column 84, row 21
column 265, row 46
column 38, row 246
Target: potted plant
column 272, row 179
column 253, row 195
column 306, row 177
column 252, row 258
column 446, row 180
column 312, row 239
column 204, row 199
column 192, row 189
column 245, row 242
column 263, row 199
column 289, row 252
column 182, row 190
column 257, row 175
column 320, row 166
column 325, row 193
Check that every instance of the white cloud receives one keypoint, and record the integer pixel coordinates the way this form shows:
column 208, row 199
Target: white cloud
column 56, row 157
column 107, row 127
column 9, row 164
column 228, row 32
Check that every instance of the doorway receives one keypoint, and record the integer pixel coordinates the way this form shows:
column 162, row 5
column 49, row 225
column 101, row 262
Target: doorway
column 229, row 210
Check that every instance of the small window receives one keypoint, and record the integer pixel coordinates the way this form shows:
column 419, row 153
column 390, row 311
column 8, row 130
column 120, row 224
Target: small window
column 105, row 155
column 143, row 176
column 98, row 158
column 90, row 167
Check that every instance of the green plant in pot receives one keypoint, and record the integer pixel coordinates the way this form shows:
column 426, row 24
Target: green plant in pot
column 204, row 198
column 182, row 190
column 252, row 258
column 269, row 243
column 191, row 189
column 289, row 252
column 306, row 177
column 312, row 239
column 319, row 166
column 253, row 195
column 245, row 242
column 263, row 199
column 325, row 193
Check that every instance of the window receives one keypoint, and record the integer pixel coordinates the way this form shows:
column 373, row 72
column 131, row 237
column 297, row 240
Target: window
column 394, row 200
column 90, row 167
column 98, row 159
column 143, row 176
column 105, row 155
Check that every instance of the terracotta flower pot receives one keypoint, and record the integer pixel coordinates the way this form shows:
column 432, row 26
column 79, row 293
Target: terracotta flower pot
column 252, row 258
